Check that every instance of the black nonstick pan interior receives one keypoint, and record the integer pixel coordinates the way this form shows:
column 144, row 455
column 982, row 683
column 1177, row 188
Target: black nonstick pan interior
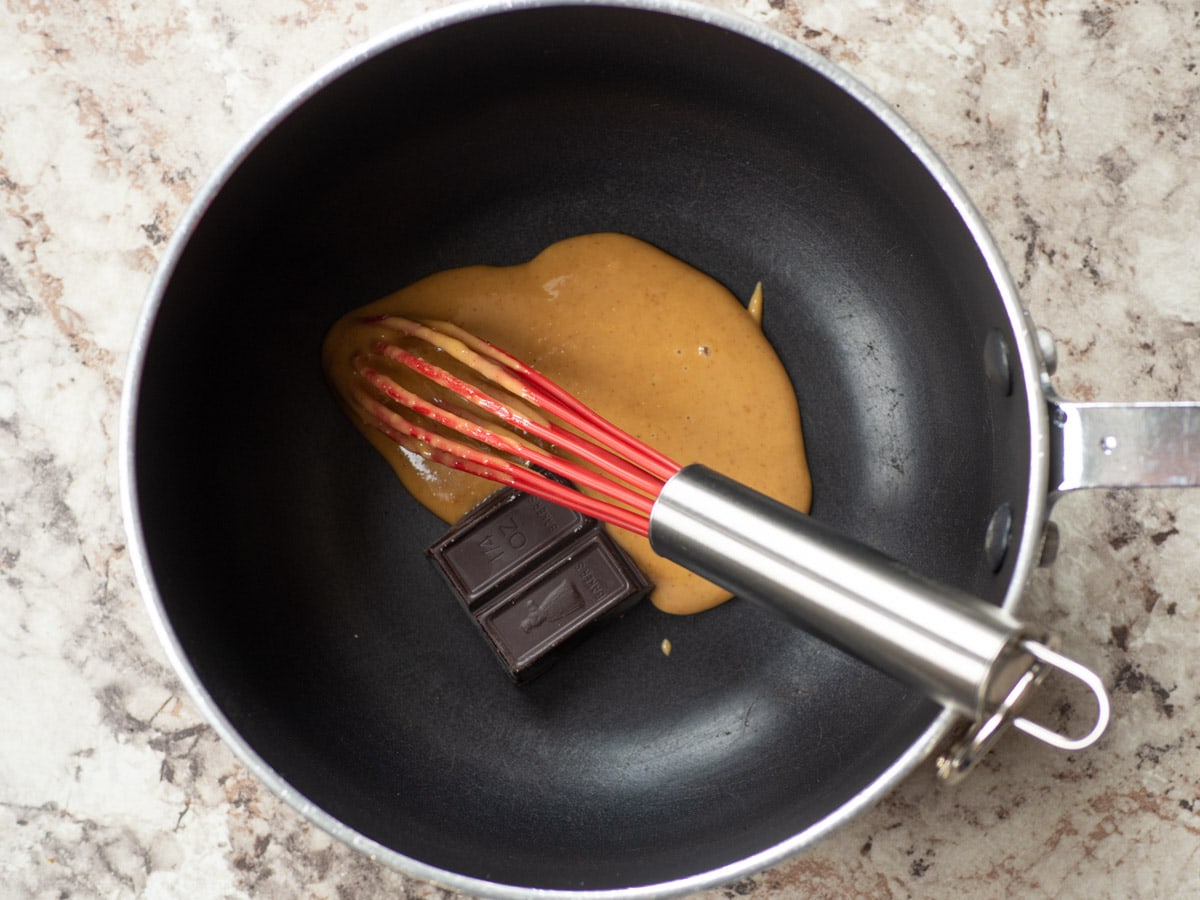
column 289, row 560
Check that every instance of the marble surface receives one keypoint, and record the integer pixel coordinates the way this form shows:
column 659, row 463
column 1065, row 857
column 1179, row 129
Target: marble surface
column 1073, row 126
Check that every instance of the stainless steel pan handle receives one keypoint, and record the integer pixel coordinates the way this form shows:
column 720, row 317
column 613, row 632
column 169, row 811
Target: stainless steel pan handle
column 1114, row 445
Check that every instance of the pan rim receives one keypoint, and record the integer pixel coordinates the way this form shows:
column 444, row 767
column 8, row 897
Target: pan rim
column 1026, row 362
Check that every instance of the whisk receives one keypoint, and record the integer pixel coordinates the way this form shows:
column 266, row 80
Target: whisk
column 525, row 431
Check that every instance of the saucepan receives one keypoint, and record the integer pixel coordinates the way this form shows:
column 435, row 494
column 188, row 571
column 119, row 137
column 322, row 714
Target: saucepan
column 283, row 563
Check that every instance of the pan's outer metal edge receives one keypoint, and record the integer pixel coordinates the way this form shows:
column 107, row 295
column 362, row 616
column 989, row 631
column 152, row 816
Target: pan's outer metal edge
column 1027, row 354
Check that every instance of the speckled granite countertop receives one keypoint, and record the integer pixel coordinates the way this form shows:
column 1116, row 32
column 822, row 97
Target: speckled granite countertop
column 1071, row 124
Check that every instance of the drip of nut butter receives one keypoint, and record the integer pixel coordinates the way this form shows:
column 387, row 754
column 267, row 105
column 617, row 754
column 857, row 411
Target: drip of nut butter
column 651, row 343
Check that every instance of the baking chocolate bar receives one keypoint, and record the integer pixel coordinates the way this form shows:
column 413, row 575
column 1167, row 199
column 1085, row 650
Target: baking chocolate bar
column 535, row 576
column 500, row 539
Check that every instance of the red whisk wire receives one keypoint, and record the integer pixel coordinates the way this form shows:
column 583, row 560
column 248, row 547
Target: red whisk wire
column 556, row 464
column 547, row 431
column 625, row 473
column 503, row 471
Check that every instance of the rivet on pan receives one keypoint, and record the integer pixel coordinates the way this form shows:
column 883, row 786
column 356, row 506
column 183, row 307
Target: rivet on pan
column 998, row 537
column 1049, row 545
column 1049, row 351
column 996, row 362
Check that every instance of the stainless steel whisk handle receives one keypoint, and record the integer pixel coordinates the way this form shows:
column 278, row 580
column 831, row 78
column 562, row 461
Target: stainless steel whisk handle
column 967, row 654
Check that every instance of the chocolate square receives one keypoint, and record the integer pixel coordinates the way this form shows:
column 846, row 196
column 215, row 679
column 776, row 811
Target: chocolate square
column 535, row 577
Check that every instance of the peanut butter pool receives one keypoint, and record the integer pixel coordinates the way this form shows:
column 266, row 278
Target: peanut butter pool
column 651, row 343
